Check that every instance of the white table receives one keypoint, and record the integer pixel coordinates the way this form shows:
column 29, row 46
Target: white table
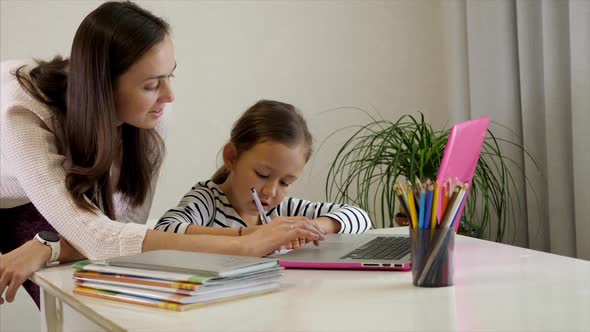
column 497, row 288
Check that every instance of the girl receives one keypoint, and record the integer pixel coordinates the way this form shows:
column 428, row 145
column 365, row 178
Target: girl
column 81, row 148
column 268, row 148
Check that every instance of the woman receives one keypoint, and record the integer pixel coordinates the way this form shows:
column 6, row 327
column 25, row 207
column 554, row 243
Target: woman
column 81, row 148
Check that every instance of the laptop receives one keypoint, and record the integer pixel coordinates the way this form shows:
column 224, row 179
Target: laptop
column 352, row 251
column 389, row 251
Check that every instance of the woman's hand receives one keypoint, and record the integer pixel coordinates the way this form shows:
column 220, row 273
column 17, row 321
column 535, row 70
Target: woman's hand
column 280, row 233
column 18, row 265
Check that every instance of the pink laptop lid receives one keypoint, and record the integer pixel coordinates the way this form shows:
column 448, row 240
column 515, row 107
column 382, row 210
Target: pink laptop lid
column 461, row 155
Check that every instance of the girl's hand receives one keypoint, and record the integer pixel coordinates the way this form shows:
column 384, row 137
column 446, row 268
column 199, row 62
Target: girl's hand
column 281, row 231
column 305, row 223
column 19, row 264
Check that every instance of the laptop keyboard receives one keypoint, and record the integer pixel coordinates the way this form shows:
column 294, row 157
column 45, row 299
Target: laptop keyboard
column 384, row 248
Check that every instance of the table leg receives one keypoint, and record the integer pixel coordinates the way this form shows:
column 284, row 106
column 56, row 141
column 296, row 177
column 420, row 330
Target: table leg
column 52, row 313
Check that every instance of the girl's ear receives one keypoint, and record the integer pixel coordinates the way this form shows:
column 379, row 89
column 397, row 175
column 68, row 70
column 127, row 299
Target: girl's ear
column 230, row 156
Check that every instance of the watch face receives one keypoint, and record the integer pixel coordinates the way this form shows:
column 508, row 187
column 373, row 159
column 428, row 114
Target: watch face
column 49, row 236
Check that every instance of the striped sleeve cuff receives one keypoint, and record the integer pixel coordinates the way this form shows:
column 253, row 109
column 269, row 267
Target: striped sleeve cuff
column 171, row 225
column 344, row 227
column 182, row 227
column 352, row 220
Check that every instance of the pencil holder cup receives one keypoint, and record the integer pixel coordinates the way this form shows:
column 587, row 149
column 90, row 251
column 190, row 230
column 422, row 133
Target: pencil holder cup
column 432, row 257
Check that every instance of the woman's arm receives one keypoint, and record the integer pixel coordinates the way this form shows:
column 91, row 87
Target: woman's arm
column 258, row 243
column 30, row 148
column 204, row 230
column 18, row 265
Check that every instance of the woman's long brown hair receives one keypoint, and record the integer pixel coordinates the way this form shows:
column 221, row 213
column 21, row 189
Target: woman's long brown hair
column 267, row 121
column 81, row 91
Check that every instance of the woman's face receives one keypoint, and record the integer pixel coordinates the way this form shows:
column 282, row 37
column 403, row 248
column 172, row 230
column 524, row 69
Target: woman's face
column 144, row 89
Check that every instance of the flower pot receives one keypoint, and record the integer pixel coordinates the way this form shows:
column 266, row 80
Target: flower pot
column 401, row 219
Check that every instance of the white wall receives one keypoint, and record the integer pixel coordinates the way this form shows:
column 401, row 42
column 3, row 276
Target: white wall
column 384, row 56
column 318, row 56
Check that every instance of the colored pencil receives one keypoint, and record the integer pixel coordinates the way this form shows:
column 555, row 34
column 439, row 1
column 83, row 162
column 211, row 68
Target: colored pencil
column 402, row 200
column 412, row 206
column 448, row 216
column 462, row 195
column 445, row 201
column 417, row 191
column 428, row 212
column 422, row 208
column 433, row 220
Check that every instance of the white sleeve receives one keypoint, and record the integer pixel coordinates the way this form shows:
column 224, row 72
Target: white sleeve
column 31, row 152
column 352, row 219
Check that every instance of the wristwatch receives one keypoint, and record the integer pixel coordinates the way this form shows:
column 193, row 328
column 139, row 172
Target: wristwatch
column 51, row 240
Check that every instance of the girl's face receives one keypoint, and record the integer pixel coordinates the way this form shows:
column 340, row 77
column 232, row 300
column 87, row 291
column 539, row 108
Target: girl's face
column 269, row 167
column 144, row 89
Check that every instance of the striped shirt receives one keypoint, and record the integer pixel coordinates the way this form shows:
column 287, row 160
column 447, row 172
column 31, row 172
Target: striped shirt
column 207, row 205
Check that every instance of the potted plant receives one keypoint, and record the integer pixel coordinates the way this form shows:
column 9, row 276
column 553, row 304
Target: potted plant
column 377, row 154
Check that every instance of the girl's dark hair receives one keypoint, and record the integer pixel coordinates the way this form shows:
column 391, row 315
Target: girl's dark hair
column 267, row 121
column 81, row 91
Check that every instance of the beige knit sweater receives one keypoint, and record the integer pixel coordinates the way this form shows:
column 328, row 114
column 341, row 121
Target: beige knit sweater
column 31, row 170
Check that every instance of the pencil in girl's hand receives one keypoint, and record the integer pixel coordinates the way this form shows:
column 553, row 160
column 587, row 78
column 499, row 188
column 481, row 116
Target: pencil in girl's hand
column 263, row 217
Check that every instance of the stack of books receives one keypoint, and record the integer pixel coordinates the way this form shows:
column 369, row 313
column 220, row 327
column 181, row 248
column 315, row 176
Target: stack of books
column 176, row 280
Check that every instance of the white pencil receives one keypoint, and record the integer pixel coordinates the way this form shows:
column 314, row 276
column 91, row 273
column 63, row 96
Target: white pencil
column 263, row 217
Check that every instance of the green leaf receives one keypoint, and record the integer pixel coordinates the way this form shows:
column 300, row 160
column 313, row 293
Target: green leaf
column 381, row 152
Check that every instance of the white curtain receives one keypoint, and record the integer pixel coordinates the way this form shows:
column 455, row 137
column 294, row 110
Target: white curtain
column 526, row 64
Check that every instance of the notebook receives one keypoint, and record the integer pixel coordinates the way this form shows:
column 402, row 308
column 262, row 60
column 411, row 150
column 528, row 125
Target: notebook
column 392, row 252
column 163, row 304
column 201, row 264
column 176, row 290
